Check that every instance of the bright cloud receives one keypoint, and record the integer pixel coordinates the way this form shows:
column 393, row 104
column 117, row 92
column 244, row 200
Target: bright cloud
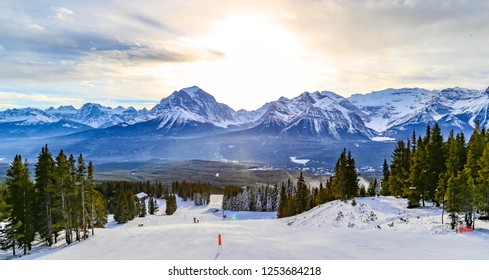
column 244, row 52
column 63, row 13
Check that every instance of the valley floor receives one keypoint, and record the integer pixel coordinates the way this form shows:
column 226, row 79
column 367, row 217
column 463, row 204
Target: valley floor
column 378, row 228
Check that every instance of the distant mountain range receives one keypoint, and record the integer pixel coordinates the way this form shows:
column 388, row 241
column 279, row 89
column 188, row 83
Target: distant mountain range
column 191, row 114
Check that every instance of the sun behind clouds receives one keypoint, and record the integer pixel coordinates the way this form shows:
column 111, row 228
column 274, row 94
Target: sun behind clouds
column 257, row 52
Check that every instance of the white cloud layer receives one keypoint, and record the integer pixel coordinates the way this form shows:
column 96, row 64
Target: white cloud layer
column 243, row 52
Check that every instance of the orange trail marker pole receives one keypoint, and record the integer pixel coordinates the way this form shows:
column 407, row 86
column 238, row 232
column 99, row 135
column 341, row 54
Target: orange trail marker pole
column 219, row 242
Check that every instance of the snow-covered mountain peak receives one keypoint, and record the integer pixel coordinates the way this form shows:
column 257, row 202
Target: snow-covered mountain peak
column 26, row 116
column 196, row 102
column 196, row 92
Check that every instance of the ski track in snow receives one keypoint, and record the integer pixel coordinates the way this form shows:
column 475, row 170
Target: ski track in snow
column 375, row 229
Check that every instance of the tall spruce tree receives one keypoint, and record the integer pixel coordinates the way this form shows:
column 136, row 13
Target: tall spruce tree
column 482, row 190
column 345, row 179
column 436, row 159
column 282, row 205
column 302, row 196
column 373, row 188
column 454, row 163
column 121, row 213
column 385, row 190
column 45, row 191
column 171, row 204
column 475, row 149
column 19, row 204
column 351, row 177
column 398, row 176
column 416, row 189
column 81, row 182
column 64, row 185
column 74, row 199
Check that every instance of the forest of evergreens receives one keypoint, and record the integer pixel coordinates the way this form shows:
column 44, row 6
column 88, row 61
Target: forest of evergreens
column 453, row 174
column 63, row 199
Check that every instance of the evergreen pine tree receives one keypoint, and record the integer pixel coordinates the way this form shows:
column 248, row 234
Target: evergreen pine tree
column 121, row 213
column 398, row 175
column 81, row 182
column 132, row 210
column 302, row 196
column 372, row 188
column 385, row 190
column 74, row 198
column 455, row 160
column 475, row 149
column 143, row 211
column 45, row 184
column 435, row 152
column 171, row 204
column 151, row 206
column 19, row 204
column 63, row 182
column 351, row 177
column 483, row 182
column 418, row 176
column 282, row 205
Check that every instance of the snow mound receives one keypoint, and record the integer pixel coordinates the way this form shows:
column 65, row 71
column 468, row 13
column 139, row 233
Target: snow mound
column 373, row 213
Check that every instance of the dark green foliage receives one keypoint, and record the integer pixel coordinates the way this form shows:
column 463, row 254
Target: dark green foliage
column 282, row 207
column 345, row 178
column 399, row 170
column 385, row 190
column 196, row 191
column 152, row 206
column 18, row 207
column 264, row 198
column 436, row 159
column 121, row 213
column 53, row 204
column 342, row 185
column 45, row 195
column 108, row 190
column 132, row 210
column 452, row 173
column 373, row 188
column 302, row 196
column 171, row 204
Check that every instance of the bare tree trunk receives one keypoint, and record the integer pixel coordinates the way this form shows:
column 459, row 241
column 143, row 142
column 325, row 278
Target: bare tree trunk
column 65, row 218
column 91, row 219
column 49, row 222
column 84, row 221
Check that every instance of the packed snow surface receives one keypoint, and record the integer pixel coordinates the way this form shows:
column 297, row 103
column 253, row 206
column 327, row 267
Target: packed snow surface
column 375, row 228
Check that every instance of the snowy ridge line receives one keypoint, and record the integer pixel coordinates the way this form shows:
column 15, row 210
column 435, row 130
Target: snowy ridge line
column 366, row 116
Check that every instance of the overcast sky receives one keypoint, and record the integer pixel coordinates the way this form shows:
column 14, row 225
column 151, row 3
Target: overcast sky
column 245, row 53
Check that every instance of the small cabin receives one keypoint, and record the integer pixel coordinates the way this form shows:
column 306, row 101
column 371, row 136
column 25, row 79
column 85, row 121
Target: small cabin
column 142, row 196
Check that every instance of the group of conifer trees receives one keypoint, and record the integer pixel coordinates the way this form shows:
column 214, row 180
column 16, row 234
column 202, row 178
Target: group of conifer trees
column 171, row 204
column 110, row 190
column 261, row 199
column 296, row 199
column 451, row 173
column 126, row 206
column 198, row 192
column 62, row 198
column 291, row 199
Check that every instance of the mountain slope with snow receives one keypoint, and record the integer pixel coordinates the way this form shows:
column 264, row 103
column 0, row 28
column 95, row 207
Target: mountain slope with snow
column 196, row 105
column 318, row 114
column 376, row 228
column 397, row 112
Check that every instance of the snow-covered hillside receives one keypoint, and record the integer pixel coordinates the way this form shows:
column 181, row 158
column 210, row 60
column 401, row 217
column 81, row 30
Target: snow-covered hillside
column 376, row 228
